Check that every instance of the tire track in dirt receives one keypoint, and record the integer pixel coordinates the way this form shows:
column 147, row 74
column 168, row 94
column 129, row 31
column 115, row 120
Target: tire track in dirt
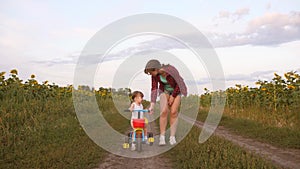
column 113, row 161
column 283, row 157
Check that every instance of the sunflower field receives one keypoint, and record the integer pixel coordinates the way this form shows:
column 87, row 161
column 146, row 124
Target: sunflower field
column 274, row 103
column 39, row 127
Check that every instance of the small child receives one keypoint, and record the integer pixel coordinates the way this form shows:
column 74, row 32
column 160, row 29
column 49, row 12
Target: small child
column 137, row 98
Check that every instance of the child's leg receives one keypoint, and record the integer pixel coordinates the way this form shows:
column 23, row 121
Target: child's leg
column 145, row 133
column 131, row 123
column 145, row 128
column 132, row 137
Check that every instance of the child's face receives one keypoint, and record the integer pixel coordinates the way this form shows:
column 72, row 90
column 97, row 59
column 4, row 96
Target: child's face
column 138, row 99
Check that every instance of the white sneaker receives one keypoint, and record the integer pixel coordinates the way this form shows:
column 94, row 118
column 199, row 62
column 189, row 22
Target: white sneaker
column 132, row 147
column 162, row 140
column 172, row 140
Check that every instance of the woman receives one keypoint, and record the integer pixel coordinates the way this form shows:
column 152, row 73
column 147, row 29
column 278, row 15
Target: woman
column 169, row 84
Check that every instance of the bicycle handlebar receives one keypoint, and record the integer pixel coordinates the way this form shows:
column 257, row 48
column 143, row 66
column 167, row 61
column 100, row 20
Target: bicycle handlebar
column 142, row 111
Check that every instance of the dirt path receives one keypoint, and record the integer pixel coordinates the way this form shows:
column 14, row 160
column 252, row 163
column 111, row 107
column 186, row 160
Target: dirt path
column 287, row 158
column 113, row 161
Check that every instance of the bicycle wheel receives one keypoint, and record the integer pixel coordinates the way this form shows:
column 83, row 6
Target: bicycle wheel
column 139, row 144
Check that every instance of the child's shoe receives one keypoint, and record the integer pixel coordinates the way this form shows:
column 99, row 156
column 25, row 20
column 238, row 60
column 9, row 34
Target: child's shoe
column 132, row 147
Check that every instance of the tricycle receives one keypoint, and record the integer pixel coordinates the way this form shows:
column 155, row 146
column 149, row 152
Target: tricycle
column 136, row 136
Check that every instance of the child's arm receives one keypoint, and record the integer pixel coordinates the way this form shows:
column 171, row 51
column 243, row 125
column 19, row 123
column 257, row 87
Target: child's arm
column 131, row 107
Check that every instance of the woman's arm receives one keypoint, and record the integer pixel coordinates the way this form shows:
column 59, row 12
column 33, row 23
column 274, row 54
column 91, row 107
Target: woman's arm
column 151, row 108
column 154, row 87
column 176, row 90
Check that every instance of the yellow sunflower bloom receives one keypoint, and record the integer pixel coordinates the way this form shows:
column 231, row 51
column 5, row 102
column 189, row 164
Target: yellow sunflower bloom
column 14, row 71
column 2, row 73
column 291, row 87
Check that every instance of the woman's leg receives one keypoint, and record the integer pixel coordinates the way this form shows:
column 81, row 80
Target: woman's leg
column 174, row 115
column 164, row 109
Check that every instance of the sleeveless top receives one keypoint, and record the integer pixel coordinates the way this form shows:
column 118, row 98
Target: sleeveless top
column 167, row 86
column 135, row 114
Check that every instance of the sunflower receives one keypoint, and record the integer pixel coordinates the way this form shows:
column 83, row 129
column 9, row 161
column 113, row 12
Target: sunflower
column 14, row 71
column 291, row 87
column 2, row 73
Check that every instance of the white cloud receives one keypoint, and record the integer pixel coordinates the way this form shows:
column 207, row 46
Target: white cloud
column 269, row 29
column 224, row 14
column 241, row 12
column 233, row 16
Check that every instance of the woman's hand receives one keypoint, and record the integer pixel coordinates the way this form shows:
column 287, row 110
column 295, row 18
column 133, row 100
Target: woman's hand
column 151, row 108
column 171, row 100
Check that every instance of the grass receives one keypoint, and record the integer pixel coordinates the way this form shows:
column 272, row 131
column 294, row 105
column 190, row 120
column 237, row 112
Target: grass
column 214, row 153
column 278, row 136
column 39, row 129
column 47, row 134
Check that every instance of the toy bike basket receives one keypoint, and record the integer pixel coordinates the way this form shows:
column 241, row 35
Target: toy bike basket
column 138, row 123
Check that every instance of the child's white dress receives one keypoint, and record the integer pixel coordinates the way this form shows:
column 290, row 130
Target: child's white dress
column 135, row 113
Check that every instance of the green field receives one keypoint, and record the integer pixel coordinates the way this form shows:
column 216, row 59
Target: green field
column 39, row 129
column 268, row 112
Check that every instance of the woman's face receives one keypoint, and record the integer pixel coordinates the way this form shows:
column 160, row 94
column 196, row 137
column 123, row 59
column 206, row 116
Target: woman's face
column 153, row 72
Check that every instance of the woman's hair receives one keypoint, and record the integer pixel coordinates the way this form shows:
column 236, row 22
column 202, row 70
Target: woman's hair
column 152, row 65
column 136, row 93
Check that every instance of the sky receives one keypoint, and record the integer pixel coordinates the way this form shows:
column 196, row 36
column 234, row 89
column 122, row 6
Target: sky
column 252, row 39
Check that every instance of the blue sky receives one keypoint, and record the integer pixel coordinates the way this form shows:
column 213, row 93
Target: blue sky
column 253, row 39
